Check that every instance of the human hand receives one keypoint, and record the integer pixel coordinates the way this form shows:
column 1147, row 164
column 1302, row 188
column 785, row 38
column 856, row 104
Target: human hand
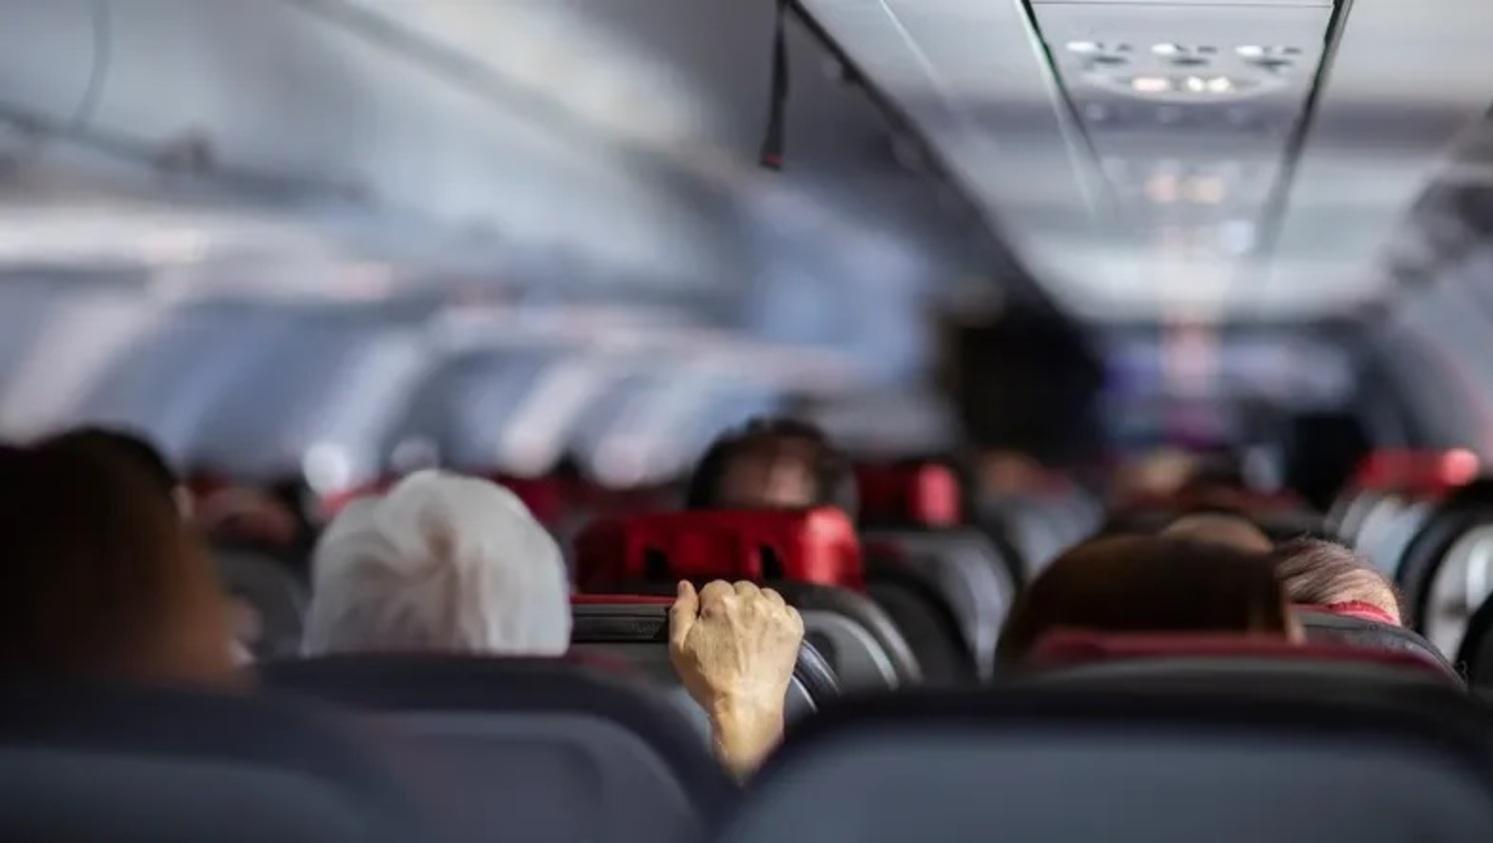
column 734, row 648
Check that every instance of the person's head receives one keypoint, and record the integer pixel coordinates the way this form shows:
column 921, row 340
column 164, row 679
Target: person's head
column 773, row 463
column 138, row 450
column 441, row 563
column 101, row 579
column 1314, row 572
column 1143, row 584
column 1220, row 528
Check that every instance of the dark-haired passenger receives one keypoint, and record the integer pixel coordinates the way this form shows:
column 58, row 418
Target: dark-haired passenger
column 102, row 582
column 773, row 463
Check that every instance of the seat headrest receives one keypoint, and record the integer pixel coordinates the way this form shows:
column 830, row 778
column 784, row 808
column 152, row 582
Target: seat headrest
column 1428, row 472
column 635, row 630
column 817, row 546
column 918, row 494
column 1076, row 648
column 1229, row 763
column 1360, row 630
column 87, row 761
column 544, row 747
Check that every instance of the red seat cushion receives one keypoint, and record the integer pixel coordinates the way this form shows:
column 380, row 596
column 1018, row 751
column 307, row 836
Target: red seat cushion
column 815, row 546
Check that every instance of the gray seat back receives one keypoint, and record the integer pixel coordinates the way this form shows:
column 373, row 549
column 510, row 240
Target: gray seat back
column 527, row 749
column 92, row 762
column 965, row 570
column 1080, row 765
column 637, row 634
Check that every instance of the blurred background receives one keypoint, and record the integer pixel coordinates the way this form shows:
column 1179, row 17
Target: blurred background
column 331, row 239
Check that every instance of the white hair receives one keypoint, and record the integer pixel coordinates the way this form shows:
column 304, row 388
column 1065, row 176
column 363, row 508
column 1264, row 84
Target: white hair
column 442, row 563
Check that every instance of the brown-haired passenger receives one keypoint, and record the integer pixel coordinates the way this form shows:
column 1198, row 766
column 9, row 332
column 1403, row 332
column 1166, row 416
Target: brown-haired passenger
column 1134, row 584
column 1220, row 528
column 1328, row 575
column 101, row 581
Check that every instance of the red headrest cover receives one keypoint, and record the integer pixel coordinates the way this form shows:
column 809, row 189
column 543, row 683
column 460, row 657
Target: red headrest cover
column 925, row 494
column 621, row 600
column 815, row 546
column 1355, row 609
column 1076, row 647
column 1418, row 471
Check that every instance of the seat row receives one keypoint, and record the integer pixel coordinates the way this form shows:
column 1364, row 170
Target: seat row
column 1121, row 737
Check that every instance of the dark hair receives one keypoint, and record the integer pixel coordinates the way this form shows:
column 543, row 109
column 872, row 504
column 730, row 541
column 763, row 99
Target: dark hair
column 101, row 579
column 1314, row 572
column 127, row 445
column 834, row 476
column 1143, row 584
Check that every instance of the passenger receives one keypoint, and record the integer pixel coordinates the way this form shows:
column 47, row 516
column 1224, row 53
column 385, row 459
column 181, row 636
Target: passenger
column 245, row 619
column 1327, row 575
column 773, row 463
column 1220, row 528
column 455, row 564
column 1135, row 584
column 101, row 581
column 137, row 449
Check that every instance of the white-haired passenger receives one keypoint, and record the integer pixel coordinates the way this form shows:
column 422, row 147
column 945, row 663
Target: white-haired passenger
column 455, row 564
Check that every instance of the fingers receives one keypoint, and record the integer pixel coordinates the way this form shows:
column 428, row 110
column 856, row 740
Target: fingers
column 774, row 597
column 796, row 620
column 683, row 613
column 713, row 597
column 747, row 589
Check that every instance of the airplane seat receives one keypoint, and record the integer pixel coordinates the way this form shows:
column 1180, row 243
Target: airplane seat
column 1346, row 516
column 1042, row 527
column 1238, row 762
column 532, row 749
column 812, row 557
column 919, row 494
column 1427, row 553
column 633, row 631
column 963, row 571
column 275, row 595
column 815, row 546
column 1462, row 580
column 1475, row 656
column 918, row 534
column 1185, row 660
column 1389, row 528
column 1327, row 627
column 86, row 761
column 855, row 635
column 922, row 615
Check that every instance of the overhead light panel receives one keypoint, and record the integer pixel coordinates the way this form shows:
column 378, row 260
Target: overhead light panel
column 1151, row 85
